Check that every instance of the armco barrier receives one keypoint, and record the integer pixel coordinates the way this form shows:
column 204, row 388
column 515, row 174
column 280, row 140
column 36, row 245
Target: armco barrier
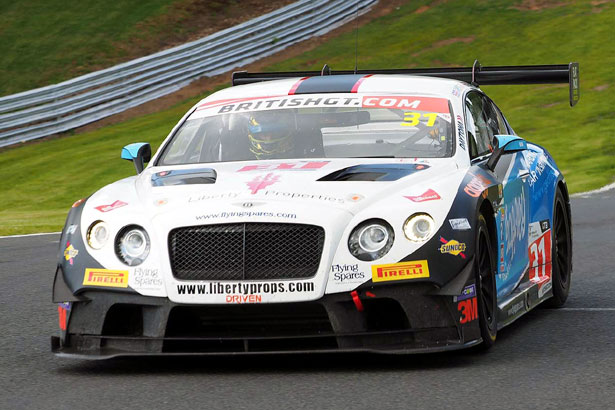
column 61, row 107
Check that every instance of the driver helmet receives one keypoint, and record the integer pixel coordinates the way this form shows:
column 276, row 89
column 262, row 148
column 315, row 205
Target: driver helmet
column 269, row 136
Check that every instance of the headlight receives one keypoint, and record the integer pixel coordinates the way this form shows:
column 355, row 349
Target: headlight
column 97, row 235
column 371, row 240
column 419, row 227
column 132, row 245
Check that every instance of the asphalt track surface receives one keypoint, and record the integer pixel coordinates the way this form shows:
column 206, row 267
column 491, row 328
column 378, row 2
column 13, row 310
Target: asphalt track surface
column 560, row 359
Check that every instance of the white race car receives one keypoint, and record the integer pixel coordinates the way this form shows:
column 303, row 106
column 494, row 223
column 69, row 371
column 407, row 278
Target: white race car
column 389, row 211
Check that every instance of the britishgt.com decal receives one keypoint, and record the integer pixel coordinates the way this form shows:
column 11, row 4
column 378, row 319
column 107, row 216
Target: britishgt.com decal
column 400, row 271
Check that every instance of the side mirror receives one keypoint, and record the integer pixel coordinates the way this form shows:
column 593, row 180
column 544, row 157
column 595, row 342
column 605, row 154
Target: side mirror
column 139, row 153
column 505, row 144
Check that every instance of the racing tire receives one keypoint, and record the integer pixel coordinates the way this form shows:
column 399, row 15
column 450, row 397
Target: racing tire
column 486, row 293
column 561, row 253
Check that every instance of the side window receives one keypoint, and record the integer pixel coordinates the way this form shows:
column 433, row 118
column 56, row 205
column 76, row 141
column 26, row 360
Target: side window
column 495, row 120
column 482, row 134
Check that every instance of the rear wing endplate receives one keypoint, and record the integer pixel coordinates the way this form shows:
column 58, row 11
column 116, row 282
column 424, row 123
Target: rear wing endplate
column 476, row 75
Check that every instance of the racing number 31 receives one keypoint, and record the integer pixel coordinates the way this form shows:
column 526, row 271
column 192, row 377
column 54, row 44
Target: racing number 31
column 411, row 119
column 468, row 309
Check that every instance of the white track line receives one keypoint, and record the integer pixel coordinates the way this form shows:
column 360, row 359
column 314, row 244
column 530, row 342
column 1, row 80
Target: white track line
column 595, row 191
column 587, row 309
column 30, row 234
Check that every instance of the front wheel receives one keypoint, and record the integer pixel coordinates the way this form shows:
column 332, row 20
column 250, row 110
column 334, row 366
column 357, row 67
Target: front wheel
column 484, row 272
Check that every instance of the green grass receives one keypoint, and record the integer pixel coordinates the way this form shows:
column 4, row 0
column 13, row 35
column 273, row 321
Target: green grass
column 44, row 42
column 43, row 179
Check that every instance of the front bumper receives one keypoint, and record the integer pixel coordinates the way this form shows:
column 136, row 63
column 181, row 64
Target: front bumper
column 405, row 318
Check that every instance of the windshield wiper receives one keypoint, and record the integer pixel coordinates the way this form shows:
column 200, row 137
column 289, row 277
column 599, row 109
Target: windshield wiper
column 374, row 156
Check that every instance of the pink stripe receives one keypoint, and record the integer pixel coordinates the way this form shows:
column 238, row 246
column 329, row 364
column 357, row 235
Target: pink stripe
column 355, row 88
column 294, row 88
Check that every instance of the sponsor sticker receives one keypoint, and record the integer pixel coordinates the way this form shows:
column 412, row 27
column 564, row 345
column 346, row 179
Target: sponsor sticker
column 63, row 309
column 147, row 278
column 400, row 271
column 468, row 309
column 246, row 214
column 106, row 278
column 452, row 247
column 111, row 207
column 539, row 236
column 461, row 132
column 347, row 273
column 467, row 293
column 460, row 224
column 286, row 166
column 70, row 253
column 476, row 186
column 431, row 104
column 514, row 309
column 262, row 182
column 71, row 229
column 254, row 290
column 429, row 195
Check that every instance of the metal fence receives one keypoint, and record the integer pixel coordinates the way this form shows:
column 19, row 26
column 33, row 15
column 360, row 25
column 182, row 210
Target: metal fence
column 61, row 107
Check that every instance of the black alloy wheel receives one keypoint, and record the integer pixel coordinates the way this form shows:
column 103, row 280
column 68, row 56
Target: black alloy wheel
column 561, row 253
column 485, row 285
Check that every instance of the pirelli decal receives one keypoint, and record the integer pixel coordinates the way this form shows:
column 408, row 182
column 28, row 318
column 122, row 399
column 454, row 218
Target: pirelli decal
column 106, row 278
column 400, row 271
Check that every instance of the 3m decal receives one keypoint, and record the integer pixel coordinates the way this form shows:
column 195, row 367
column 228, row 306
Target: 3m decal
column 476, row 186
column 106, row 278
column 63, row 309
column 460, row 224
column 468, row 309
column 262, row 182
column 347, row 273
column 114, row 205
column 452, row 247
column 467, row 293
column 540, row 255
column 412, row 119
column 286, row 166
column 429, row 195
column 429, row 104
column 400, row 271
column 70, row 253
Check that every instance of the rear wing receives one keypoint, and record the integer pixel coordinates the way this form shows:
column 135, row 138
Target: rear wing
column 476, row 75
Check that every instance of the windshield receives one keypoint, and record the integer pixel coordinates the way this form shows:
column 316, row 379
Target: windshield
column 313, row 126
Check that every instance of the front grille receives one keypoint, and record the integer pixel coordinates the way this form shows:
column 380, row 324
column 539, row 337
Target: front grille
column 246, row 251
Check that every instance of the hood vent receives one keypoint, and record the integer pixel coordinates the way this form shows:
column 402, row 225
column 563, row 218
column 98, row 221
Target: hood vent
column 374, row 172
column 184, row 177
